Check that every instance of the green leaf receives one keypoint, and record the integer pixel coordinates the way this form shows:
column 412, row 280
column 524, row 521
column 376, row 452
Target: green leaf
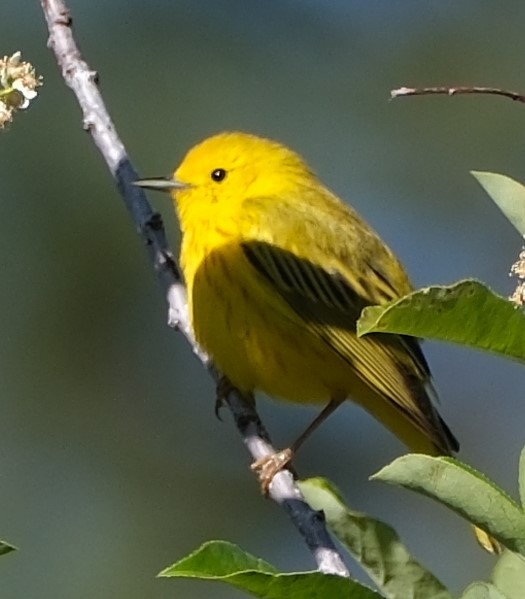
column 466, row 312
column 225, row 562
column 509, row 575
column 521, row 478
column 6, row 548
column 464, row 490
column 508, row 195
column 375, row 545
column 482, row 590
column 216, row 559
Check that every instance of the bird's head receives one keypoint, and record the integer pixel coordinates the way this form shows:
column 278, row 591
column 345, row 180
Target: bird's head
column 231, row 167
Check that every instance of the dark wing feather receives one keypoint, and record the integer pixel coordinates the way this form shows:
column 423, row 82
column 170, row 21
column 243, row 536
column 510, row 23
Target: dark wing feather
column 330, row 306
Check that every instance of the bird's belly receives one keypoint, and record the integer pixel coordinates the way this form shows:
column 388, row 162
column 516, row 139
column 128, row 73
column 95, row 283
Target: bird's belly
column 256, row 340
column 256, row 353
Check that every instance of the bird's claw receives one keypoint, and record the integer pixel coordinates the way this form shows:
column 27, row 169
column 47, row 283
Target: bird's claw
column 268, row 466
column 224, row 387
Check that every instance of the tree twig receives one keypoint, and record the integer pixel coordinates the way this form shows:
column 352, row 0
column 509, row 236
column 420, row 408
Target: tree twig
column 518, row 268
column 83, row 81
column 454, row 91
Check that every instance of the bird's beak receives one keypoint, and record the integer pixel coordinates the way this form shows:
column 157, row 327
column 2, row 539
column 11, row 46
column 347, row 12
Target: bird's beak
column 166, row 184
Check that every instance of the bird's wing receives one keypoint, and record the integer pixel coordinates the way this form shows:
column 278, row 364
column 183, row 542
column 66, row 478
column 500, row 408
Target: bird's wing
column 329, row 300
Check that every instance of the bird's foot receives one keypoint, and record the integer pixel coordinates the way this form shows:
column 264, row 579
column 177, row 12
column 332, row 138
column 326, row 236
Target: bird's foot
column 223, row 389
column 267, row 467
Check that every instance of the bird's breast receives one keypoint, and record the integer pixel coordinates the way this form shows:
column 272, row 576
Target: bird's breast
column 250, row 332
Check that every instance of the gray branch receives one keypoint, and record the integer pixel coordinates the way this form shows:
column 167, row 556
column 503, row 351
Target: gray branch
column 83, row 81
column 518, row 268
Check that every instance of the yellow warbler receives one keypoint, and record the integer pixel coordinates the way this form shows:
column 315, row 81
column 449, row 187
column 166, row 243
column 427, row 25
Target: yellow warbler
column 278, row 270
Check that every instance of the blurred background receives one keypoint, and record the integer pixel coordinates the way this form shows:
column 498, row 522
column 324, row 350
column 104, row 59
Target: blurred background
column 112, row 464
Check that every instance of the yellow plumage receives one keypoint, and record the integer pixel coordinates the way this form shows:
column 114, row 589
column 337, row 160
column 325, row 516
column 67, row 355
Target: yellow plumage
column 278, row 270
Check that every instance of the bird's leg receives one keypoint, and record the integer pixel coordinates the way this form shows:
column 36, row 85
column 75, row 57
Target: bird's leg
column 269, row 466
column 221, row 393
column 223, row 389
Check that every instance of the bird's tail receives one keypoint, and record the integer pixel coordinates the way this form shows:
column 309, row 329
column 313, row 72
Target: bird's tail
column 436, row 439
column 448, row 446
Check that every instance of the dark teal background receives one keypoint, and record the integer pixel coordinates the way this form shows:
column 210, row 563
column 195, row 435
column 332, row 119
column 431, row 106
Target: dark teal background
column 112, row 465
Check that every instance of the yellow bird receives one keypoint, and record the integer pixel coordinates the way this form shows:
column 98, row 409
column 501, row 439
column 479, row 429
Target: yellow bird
column 278, row 270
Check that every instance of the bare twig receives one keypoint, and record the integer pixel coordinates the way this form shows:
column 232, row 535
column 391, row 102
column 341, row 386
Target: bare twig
column 83, row 81
column 518, row 268
column 454, row 91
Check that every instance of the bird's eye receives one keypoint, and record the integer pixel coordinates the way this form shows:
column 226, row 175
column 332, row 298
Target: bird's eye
column 219, row 174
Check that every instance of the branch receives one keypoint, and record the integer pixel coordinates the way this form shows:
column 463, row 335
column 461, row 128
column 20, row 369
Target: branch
column 454, row 91
column 518, row 268
column 83, row 81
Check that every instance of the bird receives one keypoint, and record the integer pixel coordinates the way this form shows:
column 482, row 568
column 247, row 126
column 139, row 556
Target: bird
column 278, row 270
